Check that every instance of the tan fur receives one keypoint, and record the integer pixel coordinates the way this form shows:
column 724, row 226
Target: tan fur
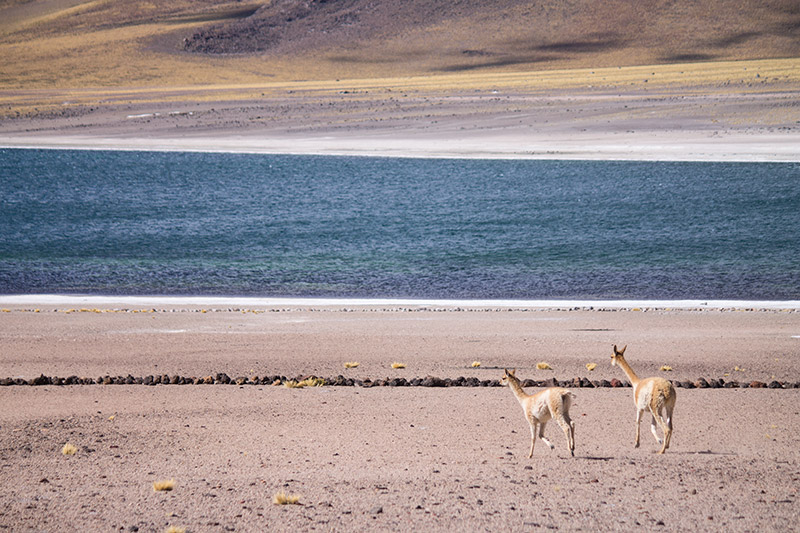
column 651, row 394
column 539, row 408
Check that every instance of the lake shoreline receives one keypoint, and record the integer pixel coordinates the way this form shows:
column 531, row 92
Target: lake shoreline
column 399, row 303
column 682, row 121
column 688, row 147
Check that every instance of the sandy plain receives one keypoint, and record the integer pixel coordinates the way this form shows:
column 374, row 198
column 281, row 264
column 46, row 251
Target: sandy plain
column 392, row 458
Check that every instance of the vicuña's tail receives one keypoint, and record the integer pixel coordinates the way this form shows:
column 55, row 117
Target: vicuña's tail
column 566, row 399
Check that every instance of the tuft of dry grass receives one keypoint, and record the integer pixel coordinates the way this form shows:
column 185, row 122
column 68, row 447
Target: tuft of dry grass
column 476, row 364
column 176, row 529
column 281, row 498
column 352, row 364
column 69, row 449
column 398, row 365
column 308, row 382
column 163, row 485
column 543, row 366
column 591, row 366
column 666, row 368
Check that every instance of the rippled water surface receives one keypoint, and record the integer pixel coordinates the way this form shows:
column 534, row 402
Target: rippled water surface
column 139, row 223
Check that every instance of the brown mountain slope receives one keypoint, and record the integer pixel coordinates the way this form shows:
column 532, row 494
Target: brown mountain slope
column 473, row 34
column 102, row 43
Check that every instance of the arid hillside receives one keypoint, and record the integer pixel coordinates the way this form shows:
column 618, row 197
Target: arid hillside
column 75, row 43
column 474, row 34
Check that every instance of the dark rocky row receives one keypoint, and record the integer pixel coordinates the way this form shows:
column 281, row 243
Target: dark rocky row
column 341, row 381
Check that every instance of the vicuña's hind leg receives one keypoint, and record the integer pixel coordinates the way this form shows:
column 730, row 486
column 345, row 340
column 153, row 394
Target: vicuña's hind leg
column 654, row 428
column 572, row 427
column 569, row 430
column 668, row 434
column 667, row 437
column 638, row 422
column 665, row 427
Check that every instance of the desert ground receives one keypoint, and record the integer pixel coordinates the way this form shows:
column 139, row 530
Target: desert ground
column 392, row 458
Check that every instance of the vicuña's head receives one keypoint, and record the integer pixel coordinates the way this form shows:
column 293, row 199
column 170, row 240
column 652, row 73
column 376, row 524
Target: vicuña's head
column 618, row 354
column 508, row 377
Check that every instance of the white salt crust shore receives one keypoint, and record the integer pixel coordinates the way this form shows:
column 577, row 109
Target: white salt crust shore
column 658, row 146
column 210, row 301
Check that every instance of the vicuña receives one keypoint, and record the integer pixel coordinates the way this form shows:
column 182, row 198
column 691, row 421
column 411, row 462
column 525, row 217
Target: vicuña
column 539, row 408
column 654, row 394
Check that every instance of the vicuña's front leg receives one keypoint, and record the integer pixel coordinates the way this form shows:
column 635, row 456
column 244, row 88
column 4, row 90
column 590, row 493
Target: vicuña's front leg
column 544, row 439
column 533, row 437
column 638, row 421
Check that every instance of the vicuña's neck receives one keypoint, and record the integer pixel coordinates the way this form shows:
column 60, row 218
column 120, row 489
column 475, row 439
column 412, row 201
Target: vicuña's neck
column 516, row 388
column 628, row 370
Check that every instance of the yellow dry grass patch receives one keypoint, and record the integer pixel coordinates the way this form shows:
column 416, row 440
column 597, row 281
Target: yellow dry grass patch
column 308, row 382
column 351, row 364
column 591, row 366
column 163, row 485
column 543, row 366
column 476, row 364
column 666, row 368
column 69, row 449
column 281, row 498
column 398, row 365
column 29, row 79
column 176, row 529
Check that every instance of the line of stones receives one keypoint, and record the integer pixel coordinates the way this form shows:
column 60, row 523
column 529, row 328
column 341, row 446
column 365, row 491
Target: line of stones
column 341, row 381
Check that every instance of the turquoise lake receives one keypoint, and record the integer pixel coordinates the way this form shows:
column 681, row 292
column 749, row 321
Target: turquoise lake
column 153, row 223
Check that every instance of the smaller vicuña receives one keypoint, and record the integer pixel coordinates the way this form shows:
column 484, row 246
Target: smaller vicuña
column 539, row 408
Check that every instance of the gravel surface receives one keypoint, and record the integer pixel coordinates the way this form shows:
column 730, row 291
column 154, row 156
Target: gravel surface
column 392, row 458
